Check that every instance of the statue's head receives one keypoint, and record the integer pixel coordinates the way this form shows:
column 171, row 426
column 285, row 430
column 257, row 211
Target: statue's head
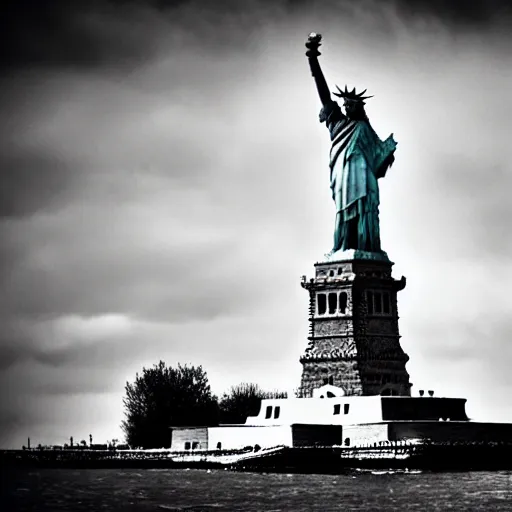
column 353, row 102
column 354, row 109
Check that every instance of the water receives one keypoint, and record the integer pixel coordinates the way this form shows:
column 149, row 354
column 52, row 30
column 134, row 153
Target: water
column 221, row 491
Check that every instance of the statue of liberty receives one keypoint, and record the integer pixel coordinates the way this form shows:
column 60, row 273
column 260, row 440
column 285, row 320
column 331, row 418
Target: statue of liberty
column 358, row 159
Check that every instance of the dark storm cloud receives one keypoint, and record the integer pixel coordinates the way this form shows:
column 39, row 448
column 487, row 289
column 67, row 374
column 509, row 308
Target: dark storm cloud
column 60, row 33
column 95, row 33
column 118, row 33
column 476, row 14
column 11, row 353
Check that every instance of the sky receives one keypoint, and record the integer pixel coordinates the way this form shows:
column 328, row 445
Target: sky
column 164, row 186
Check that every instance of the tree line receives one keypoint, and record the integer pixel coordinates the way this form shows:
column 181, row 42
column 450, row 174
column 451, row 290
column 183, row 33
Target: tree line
column 163, row 396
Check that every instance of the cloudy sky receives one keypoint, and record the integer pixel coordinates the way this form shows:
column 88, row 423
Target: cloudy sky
column 164, row 185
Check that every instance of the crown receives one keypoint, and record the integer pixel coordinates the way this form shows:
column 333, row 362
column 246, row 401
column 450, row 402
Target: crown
column 351, row 95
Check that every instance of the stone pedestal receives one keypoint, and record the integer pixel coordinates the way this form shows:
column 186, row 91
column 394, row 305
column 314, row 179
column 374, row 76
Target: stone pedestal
column 354, row 342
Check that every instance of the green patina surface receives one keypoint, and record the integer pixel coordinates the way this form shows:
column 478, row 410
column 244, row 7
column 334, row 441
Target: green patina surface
column 358, row 159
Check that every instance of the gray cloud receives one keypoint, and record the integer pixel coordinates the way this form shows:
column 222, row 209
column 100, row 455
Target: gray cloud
column 121, row 33
column 32, row 181
column 164, row 185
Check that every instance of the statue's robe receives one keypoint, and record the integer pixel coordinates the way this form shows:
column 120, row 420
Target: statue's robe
column 358, row 159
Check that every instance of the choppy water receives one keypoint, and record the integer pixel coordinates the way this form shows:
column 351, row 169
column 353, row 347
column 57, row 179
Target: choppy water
column 222, row 491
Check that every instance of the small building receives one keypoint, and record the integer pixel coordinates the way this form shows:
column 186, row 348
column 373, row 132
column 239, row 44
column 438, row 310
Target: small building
column 331, row 419
column 238, row 437
column 189, row 438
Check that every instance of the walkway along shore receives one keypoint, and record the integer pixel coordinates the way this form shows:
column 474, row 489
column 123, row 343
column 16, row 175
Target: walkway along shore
column 426, row 456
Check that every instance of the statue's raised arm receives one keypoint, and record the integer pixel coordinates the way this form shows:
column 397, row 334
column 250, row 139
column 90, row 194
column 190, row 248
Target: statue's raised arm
column 312, row 44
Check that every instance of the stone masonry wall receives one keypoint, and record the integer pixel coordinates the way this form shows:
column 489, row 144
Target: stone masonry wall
column 357, row 351
column 345, row 373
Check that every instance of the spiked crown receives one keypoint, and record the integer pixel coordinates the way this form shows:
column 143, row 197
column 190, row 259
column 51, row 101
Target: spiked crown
column 351, row 95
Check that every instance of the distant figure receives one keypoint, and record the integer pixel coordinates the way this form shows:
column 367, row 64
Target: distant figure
column 358, row 159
